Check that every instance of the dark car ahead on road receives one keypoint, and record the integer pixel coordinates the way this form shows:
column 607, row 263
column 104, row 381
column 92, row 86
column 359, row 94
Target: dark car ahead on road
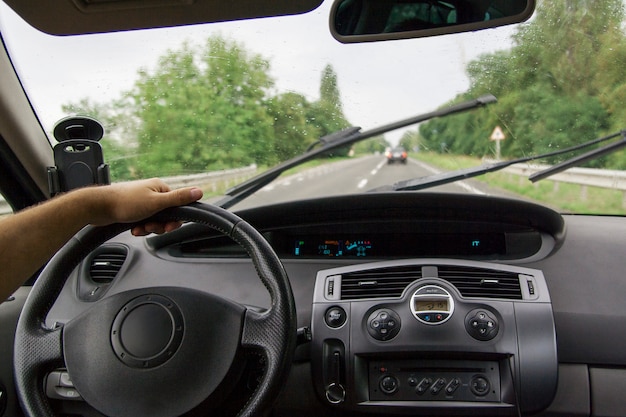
column 398, row 154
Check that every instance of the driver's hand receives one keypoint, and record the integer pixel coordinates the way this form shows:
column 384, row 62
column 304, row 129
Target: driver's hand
column 134, row 201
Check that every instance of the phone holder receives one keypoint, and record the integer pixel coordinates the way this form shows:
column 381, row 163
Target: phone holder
column 78, row 157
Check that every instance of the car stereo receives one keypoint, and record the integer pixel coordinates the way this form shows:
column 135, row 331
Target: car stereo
column 432, row 335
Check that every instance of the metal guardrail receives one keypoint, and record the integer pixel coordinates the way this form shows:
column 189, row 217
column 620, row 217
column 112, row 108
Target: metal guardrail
column 602, row 178
column 212, row 180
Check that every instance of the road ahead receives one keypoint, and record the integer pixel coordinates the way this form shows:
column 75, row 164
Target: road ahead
column 349, row 177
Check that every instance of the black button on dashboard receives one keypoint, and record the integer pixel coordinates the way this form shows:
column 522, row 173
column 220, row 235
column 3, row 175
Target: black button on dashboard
column 335, row 317
column 383, row 324
column 438, row 386
column 388, row 384
column 481, row 325
column 480, row 385
column 423, row 386
column 452, row 386
column 433, row 317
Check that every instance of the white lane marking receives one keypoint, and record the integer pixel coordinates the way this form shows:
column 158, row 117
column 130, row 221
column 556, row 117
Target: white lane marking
column 373, row 172
column 469, row 188
column 378, row 167
column 461, row 184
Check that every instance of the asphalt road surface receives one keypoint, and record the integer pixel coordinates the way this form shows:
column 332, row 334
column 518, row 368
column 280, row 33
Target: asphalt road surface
column 349, row 177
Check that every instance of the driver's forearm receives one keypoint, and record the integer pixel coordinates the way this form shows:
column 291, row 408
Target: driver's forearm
column 29, row 238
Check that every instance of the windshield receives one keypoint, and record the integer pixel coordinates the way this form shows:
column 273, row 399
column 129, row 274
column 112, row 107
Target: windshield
column 217, row 104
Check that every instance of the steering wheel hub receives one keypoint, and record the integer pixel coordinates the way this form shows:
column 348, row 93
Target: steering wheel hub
column 147, row 331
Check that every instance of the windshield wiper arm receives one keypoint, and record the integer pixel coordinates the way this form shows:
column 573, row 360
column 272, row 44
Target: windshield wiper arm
column 340, row 139
column 577, row 160
column 461, row 174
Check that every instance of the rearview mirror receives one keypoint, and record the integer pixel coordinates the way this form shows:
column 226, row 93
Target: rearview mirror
column 375, row 20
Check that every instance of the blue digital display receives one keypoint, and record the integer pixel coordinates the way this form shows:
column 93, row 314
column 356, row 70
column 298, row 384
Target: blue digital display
column 333, row 247
column 401, row 244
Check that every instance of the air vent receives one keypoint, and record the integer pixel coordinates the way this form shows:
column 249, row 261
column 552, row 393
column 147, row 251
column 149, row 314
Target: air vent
column 106, row 263
column 480, row 282
column 378, row 283
column 391, row 282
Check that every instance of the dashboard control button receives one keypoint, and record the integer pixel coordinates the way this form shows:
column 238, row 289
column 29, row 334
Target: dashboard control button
column 452, row 386
column 481, row 325
column 480, row 385
column 425, row 316
column 335, row 317
column 433, row 318
column 423, row 386
column 65, row 380
column 58, row 385
column 438, row 386
column 383, row 324
column 412, row 381
column 388, row 384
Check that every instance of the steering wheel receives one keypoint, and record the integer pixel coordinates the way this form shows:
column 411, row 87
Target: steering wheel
column 157, row 351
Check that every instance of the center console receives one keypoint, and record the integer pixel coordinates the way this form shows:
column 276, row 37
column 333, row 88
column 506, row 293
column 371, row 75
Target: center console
column 434, row 336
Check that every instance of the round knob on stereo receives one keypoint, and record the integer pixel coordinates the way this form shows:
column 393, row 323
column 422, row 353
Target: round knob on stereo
column 388, row 384
column 480, row 385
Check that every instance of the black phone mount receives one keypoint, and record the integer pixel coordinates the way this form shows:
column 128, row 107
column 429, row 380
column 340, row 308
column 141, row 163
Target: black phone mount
column 78, row 155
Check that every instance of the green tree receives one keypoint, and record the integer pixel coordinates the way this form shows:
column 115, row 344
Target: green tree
column 562, row 83
column 203, row 110
column 610, row 80
column 329, row 89
column 326, row 114
column 208, row 108
column 293, row 131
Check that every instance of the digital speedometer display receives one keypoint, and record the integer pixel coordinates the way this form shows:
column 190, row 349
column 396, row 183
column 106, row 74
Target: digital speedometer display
column 400, row 244
column 333, row 247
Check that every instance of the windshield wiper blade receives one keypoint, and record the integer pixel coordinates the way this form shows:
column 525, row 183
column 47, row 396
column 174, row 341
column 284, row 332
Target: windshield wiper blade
column 577, row 160
column 340, row 139
column 461, row 174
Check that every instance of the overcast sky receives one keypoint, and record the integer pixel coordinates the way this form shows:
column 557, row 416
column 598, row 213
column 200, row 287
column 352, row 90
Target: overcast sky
column 379, row 82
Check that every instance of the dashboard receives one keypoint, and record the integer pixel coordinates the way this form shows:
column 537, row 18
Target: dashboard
column 393, row 226
column 415, row 303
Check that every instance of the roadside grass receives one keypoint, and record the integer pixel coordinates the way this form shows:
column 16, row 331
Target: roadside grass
column 564, row 197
